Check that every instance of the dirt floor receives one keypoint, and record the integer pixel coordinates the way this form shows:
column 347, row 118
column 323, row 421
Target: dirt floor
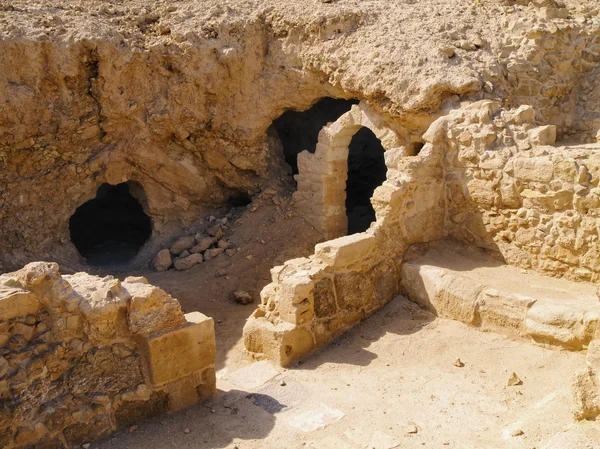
column 390, row 382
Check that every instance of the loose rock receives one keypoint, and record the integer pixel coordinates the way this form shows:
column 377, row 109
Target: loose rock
column 242, row 297
column 204, row 244
column 188, row 262
column 514, row 380
column 458, row 363
column 162, row 261
column 182, row 244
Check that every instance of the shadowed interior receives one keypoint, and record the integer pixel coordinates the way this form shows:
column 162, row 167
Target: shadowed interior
column 366, row 171
column 111, row 228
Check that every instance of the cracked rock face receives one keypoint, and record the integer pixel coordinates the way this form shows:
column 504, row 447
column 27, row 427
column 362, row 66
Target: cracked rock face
column 178, row 99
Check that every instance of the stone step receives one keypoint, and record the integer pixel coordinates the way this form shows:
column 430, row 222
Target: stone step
column 468, row 285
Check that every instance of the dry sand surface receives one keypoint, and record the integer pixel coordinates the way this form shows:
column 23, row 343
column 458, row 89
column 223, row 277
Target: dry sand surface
column 390, row 382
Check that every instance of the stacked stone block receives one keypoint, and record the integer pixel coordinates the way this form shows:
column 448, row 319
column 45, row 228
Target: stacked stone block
column 321, row 193
column 81, row 356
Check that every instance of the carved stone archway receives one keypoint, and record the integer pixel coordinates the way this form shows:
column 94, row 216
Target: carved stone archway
column 322, row 175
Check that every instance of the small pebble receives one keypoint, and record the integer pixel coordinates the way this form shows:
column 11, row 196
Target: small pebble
column 514, row 380
column 458, row 363
column 411, row 429
column 187, row 431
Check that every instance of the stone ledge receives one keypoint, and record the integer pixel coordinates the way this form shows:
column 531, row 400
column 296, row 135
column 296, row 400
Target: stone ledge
column 468, row 286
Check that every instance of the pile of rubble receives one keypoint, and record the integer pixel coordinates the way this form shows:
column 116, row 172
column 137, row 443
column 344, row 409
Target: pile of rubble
column 191, row 250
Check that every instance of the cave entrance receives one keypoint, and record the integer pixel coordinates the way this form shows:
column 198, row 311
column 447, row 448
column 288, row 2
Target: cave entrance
column 366, row 172
column 299, row 131
column 111, row 228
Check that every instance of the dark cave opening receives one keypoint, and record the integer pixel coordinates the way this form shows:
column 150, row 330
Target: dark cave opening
column 299, row 131
column 111, row 228
column 366, row 172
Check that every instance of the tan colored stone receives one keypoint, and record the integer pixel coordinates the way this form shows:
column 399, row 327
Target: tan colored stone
column 188, row 262
column 163, row 261
column 181, row 352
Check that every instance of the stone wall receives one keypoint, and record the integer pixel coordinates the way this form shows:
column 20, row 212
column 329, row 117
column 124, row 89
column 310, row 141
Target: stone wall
column 81, row 356
column 321, row 193
column 549, row 61
column 510, row 191
column 312, row 300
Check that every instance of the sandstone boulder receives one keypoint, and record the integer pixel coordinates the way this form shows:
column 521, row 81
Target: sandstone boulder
column 203, row 244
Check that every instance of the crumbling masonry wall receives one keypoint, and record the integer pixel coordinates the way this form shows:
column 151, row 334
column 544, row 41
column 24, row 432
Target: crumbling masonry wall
column 321, row 192
column 312, row 300
column 81, row 356
column 509, row 190
column 486, row 176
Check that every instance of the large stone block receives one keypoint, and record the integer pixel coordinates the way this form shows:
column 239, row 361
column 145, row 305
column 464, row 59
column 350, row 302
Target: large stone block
column 16, row 302
column 324, row 299
column 280, row 343
column 538, row 169
column 346, row 251
column 503, row 313
column 561, row 324
column 180, row 352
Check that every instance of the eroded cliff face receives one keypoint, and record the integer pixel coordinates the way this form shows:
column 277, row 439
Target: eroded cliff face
column 188, row 125
column 178, row 100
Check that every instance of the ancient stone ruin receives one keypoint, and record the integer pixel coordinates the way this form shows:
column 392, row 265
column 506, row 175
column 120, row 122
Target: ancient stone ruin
column 320, row 161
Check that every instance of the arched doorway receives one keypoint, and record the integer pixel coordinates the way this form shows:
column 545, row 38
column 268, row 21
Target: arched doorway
column 111, row 228
column 337, row 181
column 299, row 130
column 366, row 172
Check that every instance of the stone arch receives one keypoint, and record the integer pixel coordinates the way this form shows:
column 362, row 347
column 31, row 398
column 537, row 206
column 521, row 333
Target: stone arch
column 322, row 175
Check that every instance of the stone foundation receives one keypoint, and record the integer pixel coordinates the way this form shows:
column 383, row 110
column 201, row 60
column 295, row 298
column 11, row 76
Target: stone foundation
column 81, row 356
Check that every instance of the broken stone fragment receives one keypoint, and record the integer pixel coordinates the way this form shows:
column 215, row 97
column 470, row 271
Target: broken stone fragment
column 215, row 231
column 514, row 380
column 182, row 244
column 212, row 253
column 162, row 261
column 203, row 244
column 188, row 262
column 242, row 297
column 458, row 363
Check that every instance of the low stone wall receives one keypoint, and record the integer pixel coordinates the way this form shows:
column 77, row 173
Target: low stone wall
column 81, row 356
column 313, row 300
column 465, row 284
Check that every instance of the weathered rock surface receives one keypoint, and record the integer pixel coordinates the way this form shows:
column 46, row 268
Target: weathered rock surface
column 75, row 351
column 188, row 262
column 163, row 261
column 182, row 244
column 469, row 286
column 194, row 148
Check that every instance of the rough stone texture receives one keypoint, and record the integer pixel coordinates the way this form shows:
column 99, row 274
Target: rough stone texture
column 163, row 261
column 313, row 300
column 535, row 205
column 463, row 284
column 586, row 383
column 178, row 99
column 73, row 356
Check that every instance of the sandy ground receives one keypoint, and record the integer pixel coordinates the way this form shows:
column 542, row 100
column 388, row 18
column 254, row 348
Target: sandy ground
column 371, row 388
column 388, row 378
